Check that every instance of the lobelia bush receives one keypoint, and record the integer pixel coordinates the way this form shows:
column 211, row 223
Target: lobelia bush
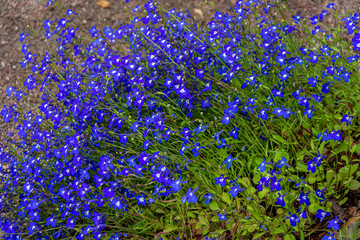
column 161, row 128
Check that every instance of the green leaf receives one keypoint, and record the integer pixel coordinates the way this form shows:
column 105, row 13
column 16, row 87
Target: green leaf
column 198, row 225
column 353, row 149
column 353, row 168
column 343, row 147
column 312, row 145
column 280, row 211
column 311, row 180
column 170, row 229
column 203, row 220
column 314, row 207
column 301, row 166
column 214, row 206
column 344, row 173
column 343, row 201
column 335, row 49
column 215, row 219
column 300, row 154
column 312, row 177
column 289, row 236
column 258, row 235
column 263, row 193
column 330, row 175
column 212, row 4
column 226, row 198
column 354, row 185
column 302, row 236
column 279, row 154
column 190, row 214
column 279, row 139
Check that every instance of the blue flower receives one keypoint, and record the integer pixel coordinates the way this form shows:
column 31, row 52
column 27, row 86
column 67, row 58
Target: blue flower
column 280, row 200
column 320, row 195
column 321, row 214
column 221, row 180
column 176, row 185
column 294, row 219
column 234, row 133
column 282, row 162
column 275, row 184
column 49, row 2
column 33, row 226
column 22, row 36
column 347, row 119
column 311, row 166
column 314, row 19
column 262, row 166
column 69, row 12
column 208, row 197
column 334, row 223
column 222, row 217
column 51, row 221
column 331, row 5
column 304, row 198
column 235, row 189
column 190, row 196
column 309, row 111
column 141, row 199
column 262, row 114
column 70, row 223
column 228, row 161
column 328, row 237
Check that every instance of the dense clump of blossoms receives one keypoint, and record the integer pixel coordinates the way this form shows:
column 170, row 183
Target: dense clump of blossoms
column 127, row 133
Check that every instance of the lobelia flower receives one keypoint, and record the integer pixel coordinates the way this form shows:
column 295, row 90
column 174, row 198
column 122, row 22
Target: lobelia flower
column 69, row 12
column 347, row 119
column 262, row 114
column 275, row 184
column 223, row 143
column 235, row 189
column 334, row 223
column 311, row 166
column 33, row 226
column 303, row 214
column 234, row 133
column 221, row 180
column 282, row 162
column 141, row 199
column 304, row 198
column 314, row 19
column 208, row 197
column 294, row 219
column 190, row 196
column 23, row 36
column 228, row 161
column 320, row 195
column 329, row 237
column 316, row 30
column 222, row 217
column 321, row 214
column 280, row 200
column 51, row 221
column 262, row 166
column 176, row 185
column 331, row 5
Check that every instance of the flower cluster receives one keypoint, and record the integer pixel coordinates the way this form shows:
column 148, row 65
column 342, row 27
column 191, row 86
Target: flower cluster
column 124, row 133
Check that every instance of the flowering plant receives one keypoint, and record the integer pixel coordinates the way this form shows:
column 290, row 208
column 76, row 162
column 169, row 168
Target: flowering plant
column 163, row 128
